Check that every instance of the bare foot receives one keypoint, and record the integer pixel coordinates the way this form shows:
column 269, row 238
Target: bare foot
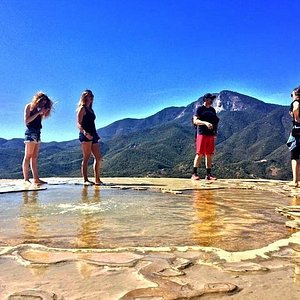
column 293, row 184
column 99, row 183
column 27, row 181
column 88, row 182
column 40, row 182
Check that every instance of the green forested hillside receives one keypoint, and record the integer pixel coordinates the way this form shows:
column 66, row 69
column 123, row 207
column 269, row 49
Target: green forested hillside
column 163, row 150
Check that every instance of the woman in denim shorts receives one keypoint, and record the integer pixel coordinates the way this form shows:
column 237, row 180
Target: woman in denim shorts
column 39, row 108
column 88, row 137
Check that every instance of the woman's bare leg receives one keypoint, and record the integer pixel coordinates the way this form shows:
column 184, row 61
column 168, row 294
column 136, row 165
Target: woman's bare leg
column 33, row 164
column 25, row 164
column 97, row 159
column 86, row 152
column 295, row 169
column 29, row 152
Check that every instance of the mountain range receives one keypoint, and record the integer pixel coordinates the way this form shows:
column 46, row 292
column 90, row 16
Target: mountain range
column 250, row 144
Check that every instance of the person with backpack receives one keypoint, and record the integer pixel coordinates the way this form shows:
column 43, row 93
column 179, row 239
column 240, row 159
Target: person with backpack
column 294, row 139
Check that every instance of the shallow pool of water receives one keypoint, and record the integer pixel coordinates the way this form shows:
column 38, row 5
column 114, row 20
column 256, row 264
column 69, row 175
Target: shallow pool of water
column 73, row 216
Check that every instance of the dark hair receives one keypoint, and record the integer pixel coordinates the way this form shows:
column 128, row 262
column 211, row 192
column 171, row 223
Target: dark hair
column 297, row 91
column 87, row 93
column 209, row 96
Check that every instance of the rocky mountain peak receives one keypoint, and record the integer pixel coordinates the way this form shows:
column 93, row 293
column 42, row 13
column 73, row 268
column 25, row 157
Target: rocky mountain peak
column 230, row 101
column 233, row 101
column 226, row 101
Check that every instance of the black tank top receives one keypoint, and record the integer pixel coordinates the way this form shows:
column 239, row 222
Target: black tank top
column 36, row 123
column 291, row 110
column 88, row 121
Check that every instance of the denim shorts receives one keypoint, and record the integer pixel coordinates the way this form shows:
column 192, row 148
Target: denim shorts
column 83, row 138
column 32, row 135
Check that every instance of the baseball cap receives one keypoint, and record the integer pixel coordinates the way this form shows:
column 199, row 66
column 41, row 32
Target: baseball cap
column 209, row 96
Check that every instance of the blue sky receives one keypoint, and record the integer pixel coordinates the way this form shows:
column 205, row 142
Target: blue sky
column 140, row 56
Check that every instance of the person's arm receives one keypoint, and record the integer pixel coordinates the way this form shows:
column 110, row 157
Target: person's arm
column 27, row 117
column 198, row 122
column 80, row 115
column 296, row 111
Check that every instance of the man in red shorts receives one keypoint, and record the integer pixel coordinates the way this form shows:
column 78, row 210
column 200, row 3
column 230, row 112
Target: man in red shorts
column 206, row 120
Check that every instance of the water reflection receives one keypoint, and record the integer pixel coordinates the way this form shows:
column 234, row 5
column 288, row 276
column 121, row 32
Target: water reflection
column 235, row 220
column 30, row 218
column 93, row 217
column 88, row 232
column 207, row 224
column 90, row 199
column 297, row 264
column 295, row 200
column 90, row 221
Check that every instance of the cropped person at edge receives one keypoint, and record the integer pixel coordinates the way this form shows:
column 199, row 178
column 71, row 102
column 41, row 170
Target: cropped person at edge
column 295, row 152
column 39, row 108
column 206, row 121
column 88, row 137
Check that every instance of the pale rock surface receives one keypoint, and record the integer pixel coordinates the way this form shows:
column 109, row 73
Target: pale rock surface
column 37, row 272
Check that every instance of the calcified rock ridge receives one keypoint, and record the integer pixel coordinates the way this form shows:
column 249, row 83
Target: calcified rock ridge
column 182, row 272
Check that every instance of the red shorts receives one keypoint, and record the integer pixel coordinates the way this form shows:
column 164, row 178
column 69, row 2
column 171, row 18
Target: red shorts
column 205, row 144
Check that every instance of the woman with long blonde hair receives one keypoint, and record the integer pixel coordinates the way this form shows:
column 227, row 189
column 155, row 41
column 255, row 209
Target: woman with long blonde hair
column 88, row 137
column 39, row 108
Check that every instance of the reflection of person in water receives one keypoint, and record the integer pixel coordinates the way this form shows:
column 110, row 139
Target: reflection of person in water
column 295, row 201
column 297, row 265
column 91, row 221
column 207, row 225
column 29, row 215
column 88, row 232
column 88, row 199
column 31, row 220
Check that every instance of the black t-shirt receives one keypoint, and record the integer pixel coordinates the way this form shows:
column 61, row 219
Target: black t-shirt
column 207, row 114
